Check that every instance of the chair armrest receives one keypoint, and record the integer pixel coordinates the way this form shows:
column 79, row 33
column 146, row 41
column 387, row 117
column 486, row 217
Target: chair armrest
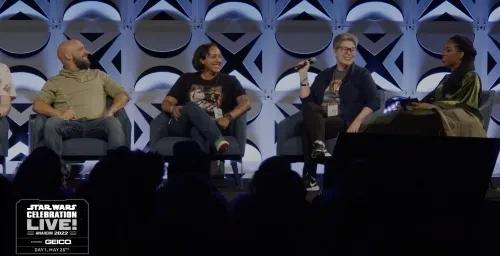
column 35, row 128
column 158, row 129
column 486, row 106
column 126, row 124
column 288, row 128
column 4, row 135
column 240, row 132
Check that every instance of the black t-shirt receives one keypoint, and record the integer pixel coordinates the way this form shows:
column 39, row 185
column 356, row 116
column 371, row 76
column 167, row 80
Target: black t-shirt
column 220, row 92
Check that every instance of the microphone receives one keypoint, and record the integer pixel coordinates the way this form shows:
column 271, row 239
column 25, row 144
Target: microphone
column 311, row 61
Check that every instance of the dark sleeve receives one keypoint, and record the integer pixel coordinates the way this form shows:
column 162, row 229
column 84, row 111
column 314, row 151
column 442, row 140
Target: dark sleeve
column 238, row 89
column 311, row 97
column 369, row 90
column 177, row 89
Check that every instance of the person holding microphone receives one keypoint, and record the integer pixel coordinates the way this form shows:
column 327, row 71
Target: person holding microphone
column 340, row 99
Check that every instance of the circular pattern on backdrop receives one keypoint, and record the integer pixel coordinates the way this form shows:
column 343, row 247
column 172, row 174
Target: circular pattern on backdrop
column 162, row 31
column 92, row 9
column 374, row 11
column 290, row 80
column 252, row 152
column 27, row 78
column 233, row 10
column 29, row 28
column 432, row 38
column 157, row 78
column 430, row 79
column 494, row 13
column 163, row 45
column 33, row 44
column 290, row 38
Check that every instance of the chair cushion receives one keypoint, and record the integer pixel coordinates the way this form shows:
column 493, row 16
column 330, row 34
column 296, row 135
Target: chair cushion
column 165, row 146
column 293, row 146
column 83, row 147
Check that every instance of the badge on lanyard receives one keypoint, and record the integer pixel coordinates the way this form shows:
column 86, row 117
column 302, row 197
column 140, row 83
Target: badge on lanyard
column 333, row 110
column 217, row 113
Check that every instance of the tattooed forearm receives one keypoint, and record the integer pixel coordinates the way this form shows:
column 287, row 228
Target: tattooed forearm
column 243, row 105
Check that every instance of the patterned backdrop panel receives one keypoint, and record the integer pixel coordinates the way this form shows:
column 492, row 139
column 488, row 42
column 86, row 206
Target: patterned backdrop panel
column 146, row 45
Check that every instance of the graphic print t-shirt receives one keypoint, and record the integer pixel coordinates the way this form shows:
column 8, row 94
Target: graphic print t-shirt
column 220, row 92
column 332, row 96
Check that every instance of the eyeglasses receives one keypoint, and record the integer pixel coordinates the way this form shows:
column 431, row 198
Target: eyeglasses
column 344, row 49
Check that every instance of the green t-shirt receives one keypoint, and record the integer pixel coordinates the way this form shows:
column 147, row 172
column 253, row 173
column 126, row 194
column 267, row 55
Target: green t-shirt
column 84, row 91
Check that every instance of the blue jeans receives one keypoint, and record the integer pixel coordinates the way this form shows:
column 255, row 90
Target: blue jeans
column 56, row 130
column 197, row 124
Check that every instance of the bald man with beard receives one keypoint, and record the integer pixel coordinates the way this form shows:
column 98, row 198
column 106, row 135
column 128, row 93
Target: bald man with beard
column 75, row 102
column 7, row 90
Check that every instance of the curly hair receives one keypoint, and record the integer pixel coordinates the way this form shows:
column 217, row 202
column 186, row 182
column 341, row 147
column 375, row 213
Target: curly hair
column 201, row 53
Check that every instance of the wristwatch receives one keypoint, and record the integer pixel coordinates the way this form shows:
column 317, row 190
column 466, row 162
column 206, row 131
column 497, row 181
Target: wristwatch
column 229, row 117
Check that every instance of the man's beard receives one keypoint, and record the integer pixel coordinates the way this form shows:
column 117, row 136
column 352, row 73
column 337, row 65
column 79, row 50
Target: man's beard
column 82, row 64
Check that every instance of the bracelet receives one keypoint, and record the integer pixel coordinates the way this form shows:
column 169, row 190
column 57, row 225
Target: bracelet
column 112, row 110
column 229, row 117
column 303, row 80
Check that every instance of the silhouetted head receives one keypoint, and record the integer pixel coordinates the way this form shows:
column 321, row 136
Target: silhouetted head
column 40, row 173
column 275, row 163
column 188, row 158
column 275, row 178
column 125, row 168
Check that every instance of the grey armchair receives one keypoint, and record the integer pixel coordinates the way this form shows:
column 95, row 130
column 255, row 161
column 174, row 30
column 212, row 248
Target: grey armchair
column 4, row 141
column 163, row 144
column 289, row 135
column 78, row 149
column 486, row 107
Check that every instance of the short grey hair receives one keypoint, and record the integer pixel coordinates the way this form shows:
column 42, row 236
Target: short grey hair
column 344, row 37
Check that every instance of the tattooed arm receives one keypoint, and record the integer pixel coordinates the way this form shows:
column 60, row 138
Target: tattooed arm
column 242, row 107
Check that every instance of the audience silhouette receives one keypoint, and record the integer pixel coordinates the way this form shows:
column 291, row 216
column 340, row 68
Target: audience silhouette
column 132, row 212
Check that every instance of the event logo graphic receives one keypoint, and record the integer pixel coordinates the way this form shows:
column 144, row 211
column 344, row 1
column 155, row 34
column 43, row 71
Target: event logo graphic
column 52, row 227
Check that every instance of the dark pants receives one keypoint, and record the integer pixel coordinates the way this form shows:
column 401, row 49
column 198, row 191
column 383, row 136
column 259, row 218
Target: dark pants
column 197, row 124
column 317, row 127
column 108, row 128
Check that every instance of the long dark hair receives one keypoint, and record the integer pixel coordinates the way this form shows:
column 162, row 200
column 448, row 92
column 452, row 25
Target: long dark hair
column 201, row 53
column 465, row 45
